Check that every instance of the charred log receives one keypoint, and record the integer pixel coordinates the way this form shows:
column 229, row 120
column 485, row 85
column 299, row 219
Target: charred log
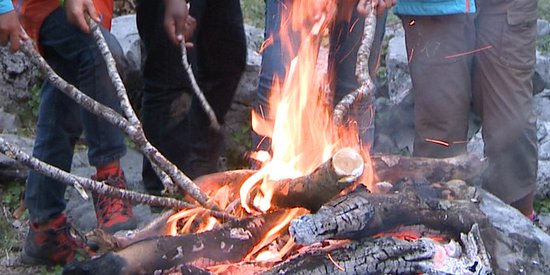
column 390, row 255
column 393, row 168
column 227, row 244
column 360, row 213
column 380, row 256
column 327, row 181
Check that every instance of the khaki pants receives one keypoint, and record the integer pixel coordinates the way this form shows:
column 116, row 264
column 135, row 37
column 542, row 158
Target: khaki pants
column 485, row 61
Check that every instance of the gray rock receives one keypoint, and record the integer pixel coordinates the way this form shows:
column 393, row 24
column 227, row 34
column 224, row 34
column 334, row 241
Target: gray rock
column 399, row 81
column 124, row 29
column 517, row 245
column 543, row 28
column 8, row 122
column 17, row 77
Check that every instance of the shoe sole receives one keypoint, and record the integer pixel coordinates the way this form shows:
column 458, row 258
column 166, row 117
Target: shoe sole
column 30, row 260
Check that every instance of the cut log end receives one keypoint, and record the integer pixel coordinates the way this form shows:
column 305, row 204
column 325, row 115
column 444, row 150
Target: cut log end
column 348, row 163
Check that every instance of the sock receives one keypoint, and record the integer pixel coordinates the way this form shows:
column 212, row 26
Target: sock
column 108, row 170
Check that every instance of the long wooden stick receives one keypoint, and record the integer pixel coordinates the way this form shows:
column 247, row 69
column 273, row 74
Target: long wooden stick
column 80, row 182
column 197, row 90
column 361, row 71
column 134, row 131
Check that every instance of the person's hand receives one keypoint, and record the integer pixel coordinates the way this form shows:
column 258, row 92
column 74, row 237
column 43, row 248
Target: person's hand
column 76, row 11
column 177, row 22
column 11, row 31
column 364, row 6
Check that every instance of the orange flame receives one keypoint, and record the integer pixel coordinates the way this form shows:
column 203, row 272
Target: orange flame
column 302, row 130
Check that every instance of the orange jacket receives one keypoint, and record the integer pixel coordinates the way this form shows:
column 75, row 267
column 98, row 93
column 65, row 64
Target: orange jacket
column 33, row 12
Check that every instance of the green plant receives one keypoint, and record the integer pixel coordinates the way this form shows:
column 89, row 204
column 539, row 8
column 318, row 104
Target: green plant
column 253, row 12
column 543, row 45
column 543, row 205
column 7, row 235
column 10, row 194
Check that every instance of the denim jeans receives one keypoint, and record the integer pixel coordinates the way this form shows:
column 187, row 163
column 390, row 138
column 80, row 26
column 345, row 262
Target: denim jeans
column 76, row 58
column 218, row 59
column 345, row 39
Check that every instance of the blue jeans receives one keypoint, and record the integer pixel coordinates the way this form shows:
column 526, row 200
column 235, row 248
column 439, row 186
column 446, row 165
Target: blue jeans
column 218, row 59
column 75, row 57
column 345, row 39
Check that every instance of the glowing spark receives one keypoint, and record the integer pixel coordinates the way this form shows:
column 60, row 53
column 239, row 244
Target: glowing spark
column 335, row 263
column 436, row 141
column 470, row 52
column 412, row 22
column 266, row 44
column 411, row 55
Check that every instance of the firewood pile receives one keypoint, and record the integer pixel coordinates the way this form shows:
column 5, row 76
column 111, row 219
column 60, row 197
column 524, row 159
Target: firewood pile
column 427, row 222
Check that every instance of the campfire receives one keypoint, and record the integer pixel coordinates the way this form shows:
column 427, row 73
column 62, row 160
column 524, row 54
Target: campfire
column 319, row 203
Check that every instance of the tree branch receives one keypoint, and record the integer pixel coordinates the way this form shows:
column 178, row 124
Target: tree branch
column 197, row 90
column 361, row 72
column 134, row 131
column 80, row 182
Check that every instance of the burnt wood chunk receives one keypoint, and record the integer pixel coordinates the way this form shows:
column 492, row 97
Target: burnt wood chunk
column 450, row 208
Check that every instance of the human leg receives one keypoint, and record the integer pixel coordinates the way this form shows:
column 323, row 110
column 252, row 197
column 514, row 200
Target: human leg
column 437, row 48
column 166, row 95
column 503, row 97
column 219, row 67
column 276, row 56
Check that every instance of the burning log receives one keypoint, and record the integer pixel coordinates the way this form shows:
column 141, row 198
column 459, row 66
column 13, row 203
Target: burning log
column 327, row 181
column 390, row 255
column 393, row 168
column 228, row 244
column 361, row 213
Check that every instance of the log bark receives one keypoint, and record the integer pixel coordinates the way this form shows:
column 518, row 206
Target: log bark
column 228, row 244
column 313, row 190
column 390, row 255
column 393, row 168
column 360, row 213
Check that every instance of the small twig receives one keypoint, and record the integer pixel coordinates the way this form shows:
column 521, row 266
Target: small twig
column 197, row 90
column 361, row 71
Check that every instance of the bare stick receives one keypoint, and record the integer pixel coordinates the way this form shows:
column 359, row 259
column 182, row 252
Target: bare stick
column 135, row 132
column 361, row 71
column 200, row 95
column 94, row 186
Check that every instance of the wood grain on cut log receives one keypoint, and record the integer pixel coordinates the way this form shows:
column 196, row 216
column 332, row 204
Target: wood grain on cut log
column 228, row 244
column 327, row 181
column 361, row 213
column 393, row 168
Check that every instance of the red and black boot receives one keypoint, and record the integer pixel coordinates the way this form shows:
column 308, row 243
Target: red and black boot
column 113, row 214
column 54, row 243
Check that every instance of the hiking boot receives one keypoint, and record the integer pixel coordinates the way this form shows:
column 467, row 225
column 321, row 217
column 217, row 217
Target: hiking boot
column 53, row 243
column 113, row 214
